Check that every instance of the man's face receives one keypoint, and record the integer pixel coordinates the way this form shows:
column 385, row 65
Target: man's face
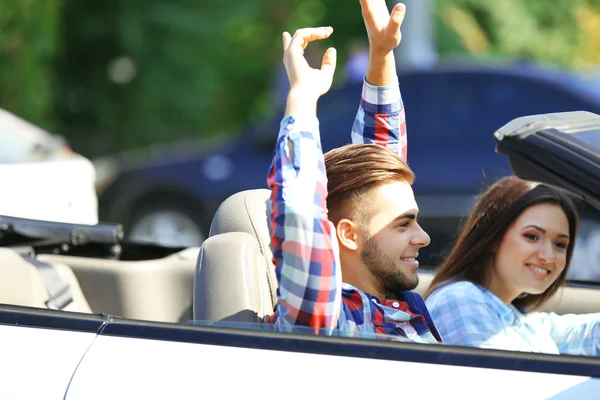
column 394, row 238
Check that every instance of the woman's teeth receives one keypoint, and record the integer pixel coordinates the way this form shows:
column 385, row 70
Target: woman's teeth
column 540, row 270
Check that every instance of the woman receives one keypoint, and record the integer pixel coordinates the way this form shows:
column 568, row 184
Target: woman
column 511, row 257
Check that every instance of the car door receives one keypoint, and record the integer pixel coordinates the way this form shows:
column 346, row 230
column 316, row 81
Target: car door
column 41, row 350
column 132, row 359
column 51, row 354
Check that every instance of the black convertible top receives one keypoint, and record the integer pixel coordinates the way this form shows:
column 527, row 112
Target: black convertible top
column 560, row 149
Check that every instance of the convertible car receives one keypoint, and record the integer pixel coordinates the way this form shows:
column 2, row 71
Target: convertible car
column 88, row 315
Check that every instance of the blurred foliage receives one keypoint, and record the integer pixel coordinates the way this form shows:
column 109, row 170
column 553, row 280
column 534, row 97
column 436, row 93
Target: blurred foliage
column 119, row 74
column 137, row 72
column 565, row 32
column 28, row 43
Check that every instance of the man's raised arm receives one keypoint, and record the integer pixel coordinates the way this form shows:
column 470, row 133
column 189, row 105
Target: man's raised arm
column 304, row 244
column 380, row 118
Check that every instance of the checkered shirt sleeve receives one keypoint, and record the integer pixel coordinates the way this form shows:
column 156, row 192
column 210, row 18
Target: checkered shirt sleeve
column 305, row 249
column 381, row 119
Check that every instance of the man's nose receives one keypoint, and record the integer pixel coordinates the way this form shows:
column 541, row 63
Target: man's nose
column 420, row 238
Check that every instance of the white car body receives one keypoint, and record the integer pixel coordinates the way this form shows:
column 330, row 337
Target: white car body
column 46, row 180
column 58, row 364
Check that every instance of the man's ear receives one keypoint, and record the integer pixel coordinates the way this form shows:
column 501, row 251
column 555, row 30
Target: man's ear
column 348, row 234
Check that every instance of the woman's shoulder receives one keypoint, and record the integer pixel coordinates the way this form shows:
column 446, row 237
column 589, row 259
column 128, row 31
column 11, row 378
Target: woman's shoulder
column 459, row 288
column 456, row 291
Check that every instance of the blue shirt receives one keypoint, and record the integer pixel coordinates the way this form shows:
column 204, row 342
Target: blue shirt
column 469, row 315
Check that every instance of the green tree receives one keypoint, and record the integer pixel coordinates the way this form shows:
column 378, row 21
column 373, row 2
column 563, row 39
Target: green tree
column 136, row 72
column 130, row 73
column 545, row 31
column 139, row 72
column 28, row 46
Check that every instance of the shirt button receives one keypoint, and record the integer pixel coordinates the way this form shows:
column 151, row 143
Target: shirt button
column 396, row 304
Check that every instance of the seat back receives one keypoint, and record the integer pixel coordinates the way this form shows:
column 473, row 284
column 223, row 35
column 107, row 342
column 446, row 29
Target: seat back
column 235, row 276
column 157, row 289
column 28, row 282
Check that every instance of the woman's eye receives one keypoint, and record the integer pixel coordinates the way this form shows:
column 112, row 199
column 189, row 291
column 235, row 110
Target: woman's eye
column 531, row 236
column 561, row 245
column 404, row 225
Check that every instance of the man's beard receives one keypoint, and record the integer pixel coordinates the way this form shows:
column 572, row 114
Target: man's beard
column 385, row 270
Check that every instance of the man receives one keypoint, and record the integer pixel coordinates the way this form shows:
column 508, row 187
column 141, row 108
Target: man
column 370, row 236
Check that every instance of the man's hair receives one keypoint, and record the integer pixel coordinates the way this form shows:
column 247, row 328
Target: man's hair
column 353, row 171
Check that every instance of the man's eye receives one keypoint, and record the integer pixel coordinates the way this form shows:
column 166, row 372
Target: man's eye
column 404, row 225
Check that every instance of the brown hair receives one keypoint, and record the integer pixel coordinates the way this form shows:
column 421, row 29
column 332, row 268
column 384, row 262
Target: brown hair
column 353, row 171
column 495, row 211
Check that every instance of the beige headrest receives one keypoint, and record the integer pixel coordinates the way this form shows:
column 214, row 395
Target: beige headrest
column 231, row 282
column 249, row 211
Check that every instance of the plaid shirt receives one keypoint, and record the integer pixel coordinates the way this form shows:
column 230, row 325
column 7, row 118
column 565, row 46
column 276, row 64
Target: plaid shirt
column 457, row 310
column 305, row 248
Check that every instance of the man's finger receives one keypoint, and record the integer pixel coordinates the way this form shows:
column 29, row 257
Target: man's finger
column 329, row 61
column 366, row 9
column 303, row 37
column 397, row 17
column 287, row 39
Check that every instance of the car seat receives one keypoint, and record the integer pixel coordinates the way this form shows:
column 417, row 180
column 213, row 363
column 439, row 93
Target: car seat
column 27, row 281
column 235, row 276
column 153, row 289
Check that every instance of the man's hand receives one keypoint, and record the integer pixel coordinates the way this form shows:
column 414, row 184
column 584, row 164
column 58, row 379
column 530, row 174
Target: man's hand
column 307, row 84
column 384, row 34
column 383, row 27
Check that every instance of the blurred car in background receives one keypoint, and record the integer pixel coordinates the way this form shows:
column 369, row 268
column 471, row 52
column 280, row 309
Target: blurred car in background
column 169, row 196
column 41, row 177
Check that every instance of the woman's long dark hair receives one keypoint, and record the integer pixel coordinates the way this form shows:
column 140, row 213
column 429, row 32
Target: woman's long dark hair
column 495, row 211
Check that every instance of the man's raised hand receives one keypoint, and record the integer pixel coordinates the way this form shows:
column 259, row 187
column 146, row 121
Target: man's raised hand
column 306, row 81
column 383, row 27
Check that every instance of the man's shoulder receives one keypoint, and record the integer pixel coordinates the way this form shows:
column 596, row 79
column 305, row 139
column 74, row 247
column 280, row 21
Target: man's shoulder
column 351, row 294
column 414, row 300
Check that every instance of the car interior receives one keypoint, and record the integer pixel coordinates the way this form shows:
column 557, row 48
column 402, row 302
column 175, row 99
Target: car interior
column 231, row 277
column 91, row 268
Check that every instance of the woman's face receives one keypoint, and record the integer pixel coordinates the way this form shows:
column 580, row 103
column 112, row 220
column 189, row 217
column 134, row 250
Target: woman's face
column 532, row 254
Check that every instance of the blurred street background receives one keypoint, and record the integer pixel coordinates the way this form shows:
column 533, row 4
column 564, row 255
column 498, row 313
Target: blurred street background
column 177, row 102
column 122, row 74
